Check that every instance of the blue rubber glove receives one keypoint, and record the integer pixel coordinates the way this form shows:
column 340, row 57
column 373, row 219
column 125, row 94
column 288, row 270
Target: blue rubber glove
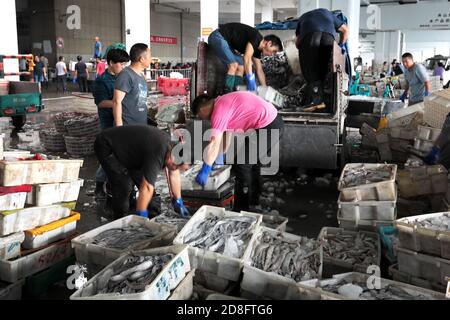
column 404, row 96
column 142, row 213
column 180, row 208
column 426, row 94
column 342, row 46
column 433, row 157
column 74, row 80
column 203, row 175
column 251, row 82
column 220, row 161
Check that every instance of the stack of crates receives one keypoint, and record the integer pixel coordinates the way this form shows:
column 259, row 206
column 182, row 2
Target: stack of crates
column 425, row 139
column 36, row 219
column 371, row 205
column 437, row 107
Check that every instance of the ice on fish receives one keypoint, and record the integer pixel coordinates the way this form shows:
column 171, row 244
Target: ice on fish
column 441, row 223
column 122, row 238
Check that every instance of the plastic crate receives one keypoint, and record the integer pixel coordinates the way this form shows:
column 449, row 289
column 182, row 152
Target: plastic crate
column 10, row 245
column 48, row 194
column 399, row 276
column 97, row 257
column 406, row 117
column 332, row 266
column 278, row 223
column 367, row 210
column 223, row 266
column 379, row 191
column 416, row 238
column 424, row 180
column 402, row 133
column 423, row 145
column 428, row 133
column 11, row 291
column 185, row 289
column 362, row 225
column 168, row 279
column 30, row 218
column 12, row 201
column 437, row 107
column 423, row 266
column 173, row 87
column 16, row 173
column 216, row 178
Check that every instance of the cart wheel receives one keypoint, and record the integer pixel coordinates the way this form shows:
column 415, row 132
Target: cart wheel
column 19, row 121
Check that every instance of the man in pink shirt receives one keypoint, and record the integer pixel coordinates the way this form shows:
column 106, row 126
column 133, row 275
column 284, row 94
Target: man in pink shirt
column 238, row 113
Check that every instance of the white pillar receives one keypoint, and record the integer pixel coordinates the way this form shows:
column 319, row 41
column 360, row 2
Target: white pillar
column 267, row 12
column 306, row 6
column 248, row 12
column 137, row 22
column 209, row 17
column 388, row 46
column 352, row 10
column 8, row 37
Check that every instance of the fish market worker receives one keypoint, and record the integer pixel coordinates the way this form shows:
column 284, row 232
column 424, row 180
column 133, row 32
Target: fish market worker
column 417, row 80
column 231, row 41
column 136, row 154
column 235, row 113
column 316, row 33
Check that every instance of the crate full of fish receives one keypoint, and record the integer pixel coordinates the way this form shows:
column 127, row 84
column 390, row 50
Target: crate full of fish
column 278, row 223
column 34, row 261
column 275, row 262
column 12, row 201
column 367, row 210
column 29, row 218
column 48, row 194
column 399, row 276
column 171, row 218
column 423, row 180
column 16, row 173
column 218, row 239
column 348, row 251
column 101, row 246
column 10, row 245
column 52, row 232
column 423, row 266
column 216, row 178
column 11, row 291
column 368, row 182
column 363, row 286
column 140, row 275
column 428, row 233
column 185, row 289
column 363, row 225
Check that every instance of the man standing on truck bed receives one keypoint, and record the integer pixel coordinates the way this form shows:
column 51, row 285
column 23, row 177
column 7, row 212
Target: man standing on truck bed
column 231, row 41
column 316, row 34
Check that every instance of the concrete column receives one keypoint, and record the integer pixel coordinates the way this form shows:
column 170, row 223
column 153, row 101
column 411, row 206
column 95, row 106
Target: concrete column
column 352, row 10
column 306, row 6
column 137, row 22
column 248, row 12
column 209, row 18
column 8, row 37
column 267, row 12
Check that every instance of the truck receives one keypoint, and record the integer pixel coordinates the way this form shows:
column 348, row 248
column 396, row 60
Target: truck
column 431, row 64
column 19, row 98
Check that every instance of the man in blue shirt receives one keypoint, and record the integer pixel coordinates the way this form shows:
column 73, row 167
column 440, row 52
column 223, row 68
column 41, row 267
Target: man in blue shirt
column 103, row 95
column 316, row 33
column 417, row 80
column 97, row 48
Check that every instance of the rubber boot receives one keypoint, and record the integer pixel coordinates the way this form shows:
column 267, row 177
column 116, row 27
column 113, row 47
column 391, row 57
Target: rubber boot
column 99, row 191
column 229, row 83
column 239, row 81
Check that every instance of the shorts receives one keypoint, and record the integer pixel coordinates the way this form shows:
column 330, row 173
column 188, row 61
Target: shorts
column 223, row 50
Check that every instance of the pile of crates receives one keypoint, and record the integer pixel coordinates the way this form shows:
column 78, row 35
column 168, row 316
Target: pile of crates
column 425, row 139
column 368, row 206
column 37, row 221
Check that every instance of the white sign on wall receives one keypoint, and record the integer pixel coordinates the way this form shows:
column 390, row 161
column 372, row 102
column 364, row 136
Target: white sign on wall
column 73, row 17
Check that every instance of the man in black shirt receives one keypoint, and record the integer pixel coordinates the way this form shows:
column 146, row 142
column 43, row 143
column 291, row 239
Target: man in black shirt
column 81, row 74
column 137, row 154
column 233, row 40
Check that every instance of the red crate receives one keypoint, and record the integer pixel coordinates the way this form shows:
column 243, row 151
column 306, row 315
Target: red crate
column 173, row 87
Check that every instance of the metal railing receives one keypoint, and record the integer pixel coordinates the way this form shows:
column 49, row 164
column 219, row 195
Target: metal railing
column 153, row 74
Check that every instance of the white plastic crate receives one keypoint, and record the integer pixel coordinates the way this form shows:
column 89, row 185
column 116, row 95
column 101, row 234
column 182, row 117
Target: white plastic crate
column 367, row 210
column 424, row 180
column 50, row 233
column 399, row 276
column 423, row 145
column 223, row 266
column 428, row 133
column 271, row 95
column 423, row 266
column 16, row 173
column 404, row 117
column 402, row 133
column 48, row 194
column 168, row 279
column 363, row 277
column 96, row 257
column 278, row 223
column 10, row 245
column 12, row 201
column 11, row 291
column 379, row 191
column 269, row 284
column 27, row 265
column 29, row 218
column 216, row 178
column 437, row 107
column 416, row 238
column 363, row 225
column 185, row 289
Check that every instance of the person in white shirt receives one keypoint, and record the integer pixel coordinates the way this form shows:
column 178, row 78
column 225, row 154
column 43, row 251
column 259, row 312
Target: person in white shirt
column 61, row 74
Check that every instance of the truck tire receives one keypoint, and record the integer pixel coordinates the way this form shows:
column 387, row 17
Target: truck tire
column 19, row 121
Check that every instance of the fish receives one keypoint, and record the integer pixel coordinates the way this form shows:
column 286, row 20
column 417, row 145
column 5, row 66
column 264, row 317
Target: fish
column 362, row 175
column 123, row 238
column 440, row 223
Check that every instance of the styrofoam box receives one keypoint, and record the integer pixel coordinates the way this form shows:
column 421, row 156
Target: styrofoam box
column 30, row 218
column 216, row 178
column 423, row 266
column 11, row 271
column 423, row 145
column 48, row 194
column 270, row 284
column 379, row 191
column 363, row 277
column 16, row 173
column 364, row 225
column 367, row 210
column 11, row 291
column 10, row 245
column 428, row 133
column 185, row 289
column 416, row 238
column 223, row 266
column 93, row 255
column 414, row 281
column 330, row 262
column 12, row 201
column 168, row 279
